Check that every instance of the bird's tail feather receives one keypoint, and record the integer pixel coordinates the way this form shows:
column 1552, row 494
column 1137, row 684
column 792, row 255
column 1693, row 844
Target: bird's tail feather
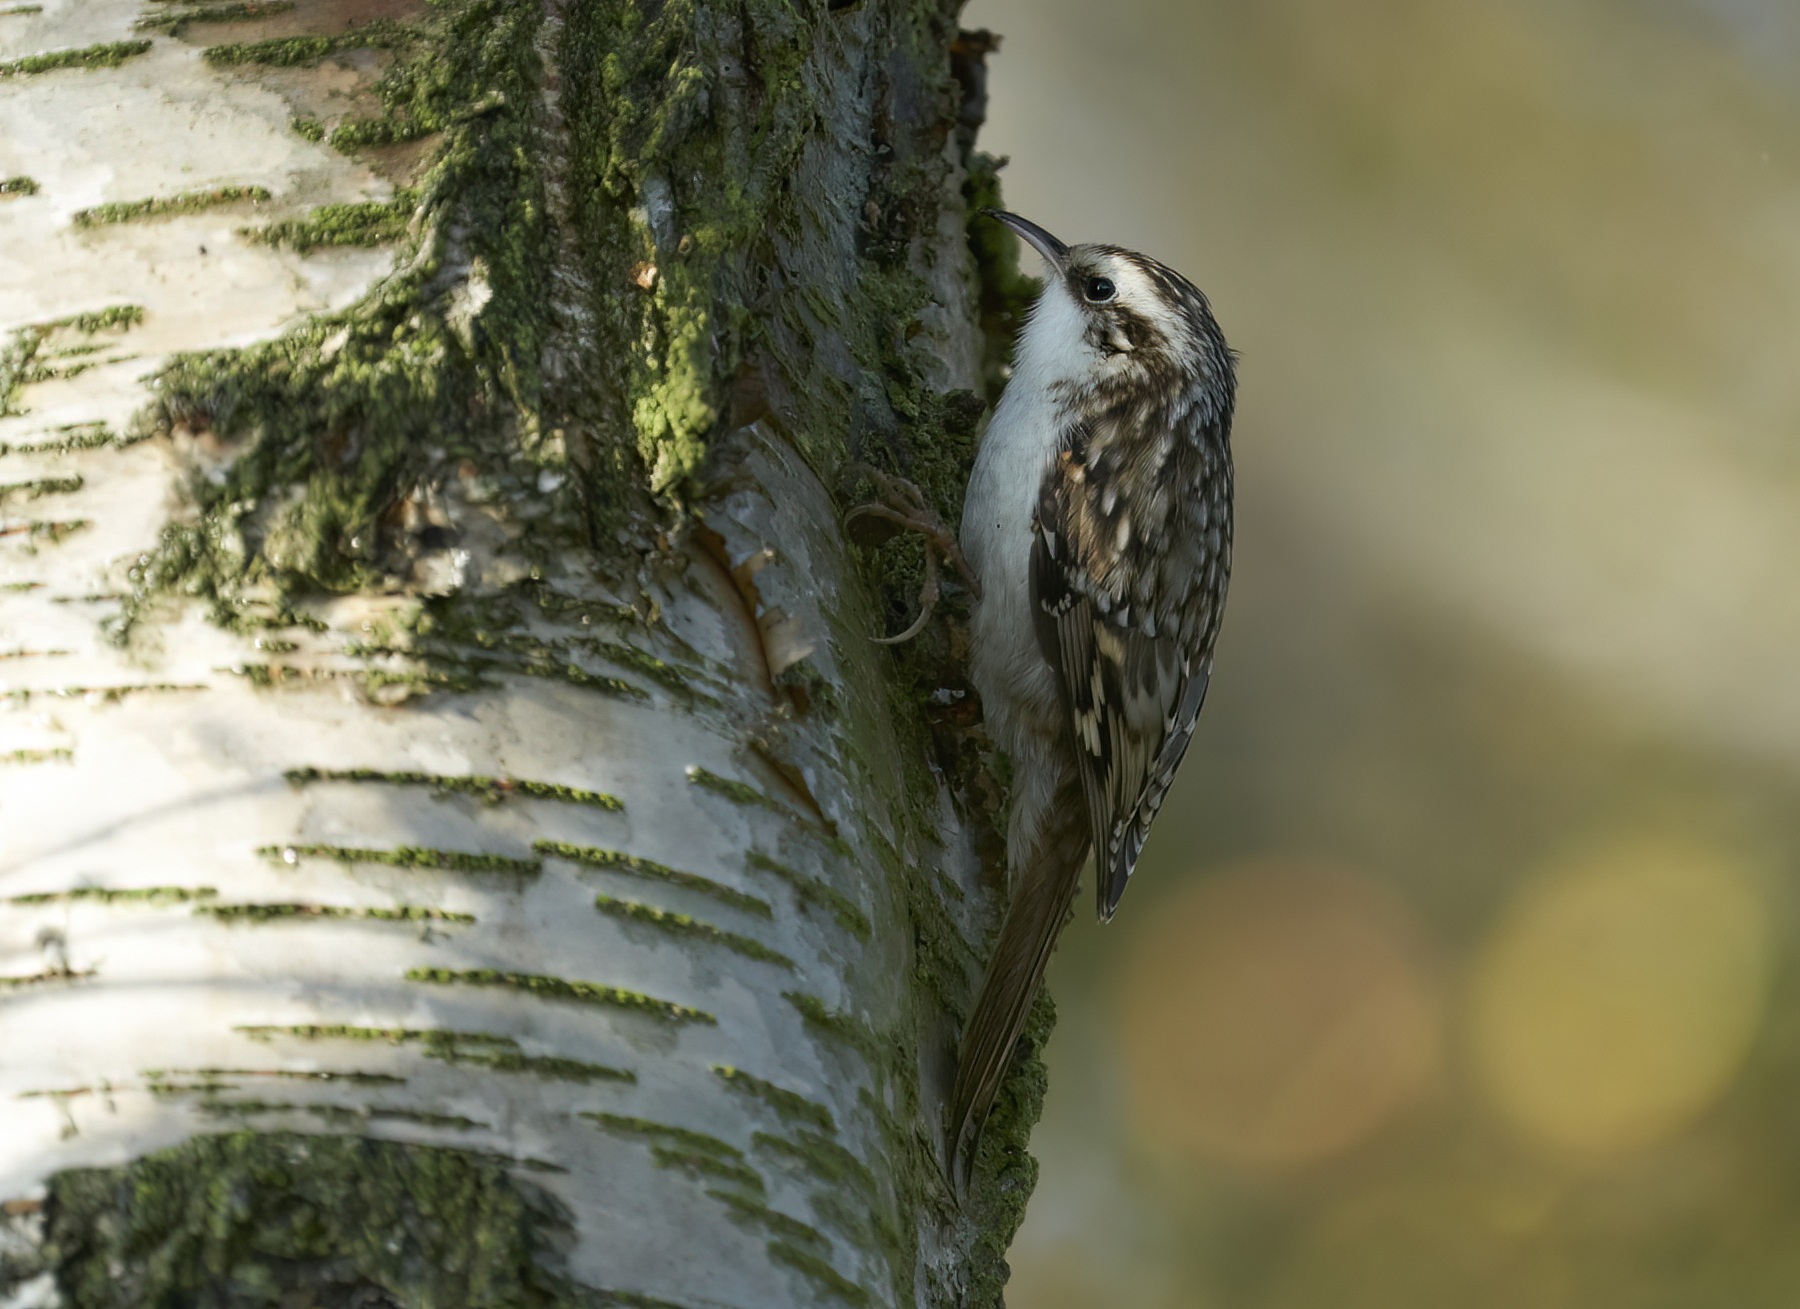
column 1049, row 874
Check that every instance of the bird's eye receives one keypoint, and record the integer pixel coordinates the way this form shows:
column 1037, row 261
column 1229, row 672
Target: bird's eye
column 1099, row 290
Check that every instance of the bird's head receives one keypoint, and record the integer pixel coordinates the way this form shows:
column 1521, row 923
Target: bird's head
column 1109, row 318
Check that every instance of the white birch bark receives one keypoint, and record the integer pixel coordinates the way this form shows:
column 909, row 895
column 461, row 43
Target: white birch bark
column 631, row 922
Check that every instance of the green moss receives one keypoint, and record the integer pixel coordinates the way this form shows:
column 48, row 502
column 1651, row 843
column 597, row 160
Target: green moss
column 19, row 365
column 48, row 531
column 581, row 677
column 93, row 56
column 187, row 202
column 20, row 185
column 843, row 1029
column 103, row 694
column 784, row 1225
column 704, row 1168
column 37, row 488
column 501, row 1054
column 247, row 11
column 212, row 1075
column 364, row 222
column 68, row 1093
column 667, row 1135
column 80, row 436
column 830, row 1162
column 812, row 891
column 818, row 1272
column 678, row 681
column 798, row 1245
column 685, row 925
column 551, row 1068
column 493, row 790
column 407, row 856
column 56, row 756
column 864, row 1222
column 420, row 95
column 112, row 318
column 156, row 895
column 790, row 1106
column 618, row 861
column 312, row 1219
column 45, row 978
column 267, row 676
column 456, row 1122
column 737, row 792
column 337, row 1031
column 268, row 913
column 557, row 988
column 303, row 51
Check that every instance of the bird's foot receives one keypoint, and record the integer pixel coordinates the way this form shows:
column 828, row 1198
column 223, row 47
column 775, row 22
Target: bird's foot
column 902, row 507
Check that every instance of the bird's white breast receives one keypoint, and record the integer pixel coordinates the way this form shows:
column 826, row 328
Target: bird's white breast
column 1014, row 680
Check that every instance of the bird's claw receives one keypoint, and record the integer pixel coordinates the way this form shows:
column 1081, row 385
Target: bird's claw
column 902, row 507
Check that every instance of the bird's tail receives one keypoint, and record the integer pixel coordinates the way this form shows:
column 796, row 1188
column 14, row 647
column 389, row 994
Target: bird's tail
column 1049, row 874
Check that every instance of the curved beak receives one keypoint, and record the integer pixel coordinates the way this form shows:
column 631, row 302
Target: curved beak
column 1055, row 253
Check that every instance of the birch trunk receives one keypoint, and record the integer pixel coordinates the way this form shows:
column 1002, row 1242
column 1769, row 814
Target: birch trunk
column 458, row 843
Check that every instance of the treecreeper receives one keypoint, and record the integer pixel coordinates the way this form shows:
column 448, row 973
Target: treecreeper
column 1097, row 528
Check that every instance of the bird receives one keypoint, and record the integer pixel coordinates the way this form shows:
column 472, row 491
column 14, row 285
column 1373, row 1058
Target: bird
column 1097, row 526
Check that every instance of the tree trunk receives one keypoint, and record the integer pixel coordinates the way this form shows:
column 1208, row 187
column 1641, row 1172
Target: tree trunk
column 459, row 844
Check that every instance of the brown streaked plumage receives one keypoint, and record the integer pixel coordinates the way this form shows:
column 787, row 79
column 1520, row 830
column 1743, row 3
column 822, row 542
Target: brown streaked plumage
column 1098, row 521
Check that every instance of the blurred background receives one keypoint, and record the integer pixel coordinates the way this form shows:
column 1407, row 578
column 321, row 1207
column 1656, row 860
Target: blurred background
column 1459, row 970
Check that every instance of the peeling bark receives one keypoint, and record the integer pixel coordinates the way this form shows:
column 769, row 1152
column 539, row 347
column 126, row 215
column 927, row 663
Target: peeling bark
column 458, row 842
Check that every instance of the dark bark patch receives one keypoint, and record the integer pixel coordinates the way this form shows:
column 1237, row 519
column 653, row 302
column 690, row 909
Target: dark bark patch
column 334, row 1222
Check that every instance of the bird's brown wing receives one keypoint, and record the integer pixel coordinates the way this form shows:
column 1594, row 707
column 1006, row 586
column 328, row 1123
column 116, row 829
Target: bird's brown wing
column 1130, row 702
column 1131, row 690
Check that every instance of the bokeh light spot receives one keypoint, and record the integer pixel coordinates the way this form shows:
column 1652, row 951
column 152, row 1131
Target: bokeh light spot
column 1274, row 1015
column 1619, row 996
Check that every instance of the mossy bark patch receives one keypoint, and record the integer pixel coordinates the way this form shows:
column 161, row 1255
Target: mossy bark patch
column 187, row 202
column 686, row 925
column 110, row 55
column 292, row 51
column 245, row 12
column 276, row 1218
column 279, row 913
column 334, row 422
column 811, row 891
column 502, row 1054
column 407, row 856
column 636, row 866
column 20, row 358
column 493, row 790
column 559, row 988
column 365, row 222
column 143, row 895
column 789, row 1105
column 53, row 756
